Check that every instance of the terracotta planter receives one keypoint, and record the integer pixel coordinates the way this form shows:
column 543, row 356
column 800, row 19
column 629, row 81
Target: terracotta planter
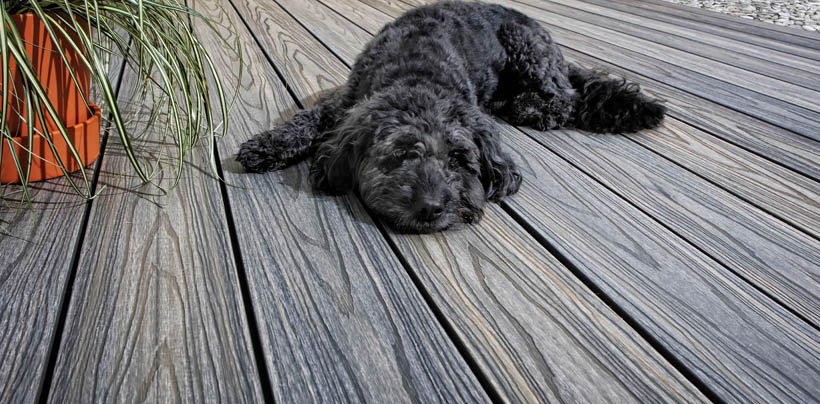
column 83, row 124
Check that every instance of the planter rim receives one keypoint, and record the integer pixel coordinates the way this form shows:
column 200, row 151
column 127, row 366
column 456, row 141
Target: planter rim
column 74, row 132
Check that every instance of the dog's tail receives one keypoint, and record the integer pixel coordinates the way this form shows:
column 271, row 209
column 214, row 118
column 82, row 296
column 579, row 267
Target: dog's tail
column 608, row 105
column 285, row 144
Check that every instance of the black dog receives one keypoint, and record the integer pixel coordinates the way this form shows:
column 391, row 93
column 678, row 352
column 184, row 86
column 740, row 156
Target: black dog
column 410, row 130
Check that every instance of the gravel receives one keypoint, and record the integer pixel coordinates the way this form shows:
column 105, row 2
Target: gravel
column 799, row 14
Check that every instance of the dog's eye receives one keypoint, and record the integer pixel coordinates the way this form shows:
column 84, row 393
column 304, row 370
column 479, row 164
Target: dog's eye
column 455, row 159
column 398, row 153
column 413, row 154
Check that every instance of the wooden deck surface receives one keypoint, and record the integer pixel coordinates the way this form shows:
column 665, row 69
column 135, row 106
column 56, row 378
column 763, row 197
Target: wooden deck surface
column 680, row 264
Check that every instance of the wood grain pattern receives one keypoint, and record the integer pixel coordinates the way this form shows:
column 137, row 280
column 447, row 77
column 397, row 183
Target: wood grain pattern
column 319, row 15
column 790, row 196
column 391, row 7
column 776, row 112
column 741, row 55
column 36, row 254
column 751, row 29
column 782, row 146
column 156, row 312
column 35, row 261
column 729, row 75
column 731, row 336
column 534, row 329
column 367, row 17
column 525, row 319
column 763, row 250
column 627, row 12
column 743, row 346
column 339, row 318
column 281, row 35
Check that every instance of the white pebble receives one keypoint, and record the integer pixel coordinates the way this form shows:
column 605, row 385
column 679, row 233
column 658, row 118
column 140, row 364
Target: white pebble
column 794, row 13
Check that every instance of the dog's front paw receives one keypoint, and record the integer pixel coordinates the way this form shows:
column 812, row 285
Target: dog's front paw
column 257, row 155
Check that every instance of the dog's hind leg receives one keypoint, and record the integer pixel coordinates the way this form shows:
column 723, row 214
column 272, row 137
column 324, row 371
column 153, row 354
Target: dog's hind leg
column 609, row 105
column 531, row 109
column 291, row 141
column 534, row 88
column 550, row 93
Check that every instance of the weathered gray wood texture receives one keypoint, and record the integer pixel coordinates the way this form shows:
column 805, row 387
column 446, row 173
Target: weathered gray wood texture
column 36, row 253
column 617, row 10
column 703, row 234
column 749, row 30
column 155, row 314
column 732, row 76
column 741, row 344
column 340, row 320
column 768, row 141
column 35, row 260
column 538, row 345
column 751, row 92
column 682, row 297
column 785, row 194
column 779, row 65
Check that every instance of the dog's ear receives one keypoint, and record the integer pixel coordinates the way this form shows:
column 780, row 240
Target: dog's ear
column 498, row 172
column 336, row 157
column 333, row 165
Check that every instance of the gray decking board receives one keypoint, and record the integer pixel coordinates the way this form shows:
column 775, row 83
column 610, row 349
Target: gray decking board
column 157, row 313
column 725, row 75
column 339, row 318
column 629, row 13
column 738, row 342
column 783, row 193
column 153, row 316
column 523, row 316
column 667, row 286
column 776, row 112
column 741, row 56
column 783, row 261
column 784, row 147
column 35, row 260
column 770, row 35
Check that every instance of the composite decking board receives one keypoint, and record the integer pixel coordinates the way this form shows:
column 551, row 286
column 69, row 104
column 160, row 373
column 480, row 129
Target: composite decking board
column 317, row 14
column 783, row 261
column 36, row 257
column 155, row 312
column 367, row 17
column 751, row 28
column 523, row 316
column 786, row 148
column 726, row 75
column 340, row 319
column 618, row 11
column 734, row 338
column 741, row 57
column 790, row 196
column 776, row 112
column 717, row 35
column 35, row 263
column 392, row 7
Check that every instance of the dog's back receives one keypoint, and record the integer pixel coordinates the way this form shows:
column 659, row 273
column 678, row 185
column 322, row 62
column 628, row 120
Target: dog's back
column 432, row 42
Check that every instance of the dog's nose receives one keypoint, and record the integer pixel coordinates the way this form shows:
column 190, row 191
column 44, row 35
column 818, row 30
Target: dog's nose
column 430, row 210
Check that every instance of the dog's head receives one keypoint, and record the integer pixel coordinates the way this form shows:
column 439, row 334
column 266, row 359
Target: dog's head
column 419, row 159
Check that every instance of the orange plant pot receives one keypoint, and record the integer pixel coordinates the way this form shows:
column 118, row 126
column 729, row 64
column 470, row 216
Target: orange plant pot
column 83, row 124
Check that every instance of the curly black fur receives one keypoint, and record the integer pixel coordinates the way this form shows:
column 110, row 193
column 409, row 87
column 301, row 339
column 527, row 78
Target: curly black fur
column 411, row 130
